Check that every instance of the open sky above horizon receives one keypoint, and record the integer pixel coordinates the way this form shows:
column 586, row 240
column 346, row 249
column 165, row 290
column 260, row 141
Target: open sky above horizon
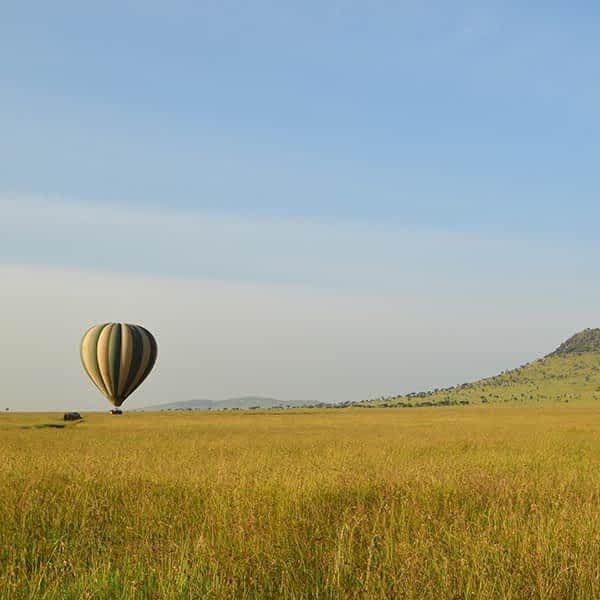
column 317, row 200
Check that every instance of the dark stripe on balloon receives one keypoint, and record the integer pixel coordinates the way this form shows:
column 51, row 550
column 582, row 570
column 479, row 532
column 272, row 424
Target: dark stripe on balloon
column 146, row 348
column 125, row 359
column 114, row 358
column 136, row 359
column 153, row 353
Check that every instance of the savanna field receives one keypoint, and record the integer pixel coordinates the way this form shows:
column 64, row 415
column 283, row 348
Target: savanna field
column 444, row 502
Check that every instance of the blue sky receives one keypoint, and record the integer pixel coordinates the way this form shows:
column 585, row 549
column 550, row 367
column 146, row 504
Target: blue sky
column 437, row 158
column 478, row 116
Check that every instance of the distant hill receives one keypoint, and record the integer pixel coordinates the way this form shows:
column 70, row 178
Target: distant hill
column 244, row 402
column 571, row 372
column 587, row 340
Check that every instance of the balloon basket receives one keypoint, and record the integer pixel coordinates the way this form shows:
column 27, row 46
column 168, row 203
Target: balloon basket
column 116, row 411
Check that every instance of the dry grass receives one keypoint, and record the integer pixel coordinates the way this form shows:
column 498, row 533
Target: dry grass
column 471, row 502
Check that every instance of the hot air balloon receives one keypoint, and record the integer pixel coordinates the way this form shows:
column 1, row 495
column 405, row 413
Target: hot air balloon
column 117, row 358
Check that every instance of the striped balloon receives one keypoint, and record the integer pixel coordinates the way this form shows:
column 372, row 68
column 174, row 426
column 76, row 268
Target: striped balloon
column 117, row 358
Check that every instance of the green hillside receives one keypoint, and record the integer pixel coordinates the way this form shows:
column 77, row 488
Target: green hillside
column 572, row 372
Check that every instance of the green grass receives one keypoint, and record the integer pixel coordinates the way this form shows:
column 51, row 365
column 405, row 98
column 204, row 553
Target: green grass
column 457, row 502
column 559, row 378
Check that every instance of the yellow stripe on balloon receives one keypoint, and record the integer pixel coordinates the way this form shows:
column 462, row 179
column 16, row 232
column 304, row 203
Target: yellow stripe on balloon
column 103, row 364
column 89, row 357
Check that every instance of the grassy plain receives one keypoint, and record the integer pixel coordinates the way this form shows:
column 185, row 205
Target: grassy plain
column 433, row 503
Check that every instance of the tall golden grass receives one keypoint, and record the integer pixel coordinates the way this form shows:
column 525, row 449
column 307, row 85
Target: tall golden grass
column 434, row 503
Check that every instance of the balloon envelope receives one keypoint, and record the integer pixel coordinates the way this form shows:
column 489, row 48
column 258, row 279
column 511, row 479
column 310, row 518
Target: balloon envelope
column 117, row 358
